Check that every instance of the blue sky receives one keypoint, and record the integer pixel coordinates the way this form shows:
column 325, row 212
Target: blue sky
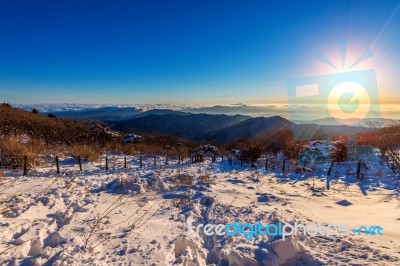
column 186, row 51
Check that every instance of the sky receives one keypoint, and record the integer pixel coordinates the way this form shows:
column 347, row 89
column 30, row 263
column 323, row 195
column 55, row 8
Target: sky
column 189, row 51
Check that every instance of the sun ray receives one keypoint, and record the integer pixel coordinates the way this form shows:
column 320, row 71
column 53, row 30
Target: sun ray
column 321, row 57
column 343, row 50
column 367, row 54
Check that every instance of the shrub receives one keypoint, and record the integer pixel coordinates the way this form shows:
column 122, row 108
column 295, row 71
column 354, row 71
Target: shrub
column 185, row 180
column 86, row 152
column 13, row 149
column 387, row 140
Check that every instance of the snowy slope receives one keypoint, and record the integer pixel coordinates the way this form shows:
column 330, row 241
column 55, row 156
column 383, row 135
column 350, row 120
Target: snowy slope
column 138, row 216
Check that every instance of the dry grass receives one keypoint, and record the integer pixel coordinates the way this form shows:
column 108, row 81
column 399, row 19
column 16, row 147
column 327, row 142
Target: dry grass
column 206, row 178
column 95, row 227
column 13, row 149
column 185, row 180
column 86, row 152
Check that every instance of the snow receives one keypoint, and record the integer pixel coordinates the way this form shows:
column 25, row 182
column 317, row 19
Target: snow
column 205, row 150
column 286, row 250
column 132, row 138
column 138, row 216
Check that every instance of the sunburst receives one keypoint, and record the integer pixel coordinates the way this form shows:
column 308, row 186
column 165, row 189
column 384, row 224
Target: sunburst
column 343, row 51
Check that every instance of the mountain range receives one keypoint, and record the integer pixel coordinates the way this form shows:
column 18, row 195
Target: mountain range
column 222, row 128
column 207, row 126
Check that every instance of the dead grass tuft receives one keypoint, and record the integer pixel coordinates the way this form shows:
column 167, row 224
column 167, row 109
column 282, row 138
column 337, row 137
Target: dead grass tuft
column 86, row 152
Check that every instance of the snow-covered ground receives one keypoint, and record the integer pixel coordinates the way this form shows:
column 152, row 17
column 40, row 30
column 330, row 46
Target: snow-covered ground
column 139, row 216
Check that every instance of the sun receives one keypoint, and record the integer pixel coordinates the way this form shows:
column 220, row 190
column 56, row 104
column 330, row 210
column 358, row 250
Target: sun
column 349, row 100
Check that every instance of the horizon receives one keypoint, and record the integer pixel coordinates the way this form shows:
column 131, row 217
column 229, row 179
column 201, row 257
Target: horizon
column 304, row 112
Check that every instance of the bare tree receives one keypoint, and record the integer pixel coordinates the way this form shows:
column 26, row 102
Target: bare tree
column 387, row 140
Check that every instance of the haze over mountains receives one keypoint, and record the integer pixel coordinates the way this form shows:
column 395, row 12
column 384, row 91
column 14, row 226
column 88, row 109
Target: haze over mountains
column 222, row 128
column 315, row 113
column 205, row 123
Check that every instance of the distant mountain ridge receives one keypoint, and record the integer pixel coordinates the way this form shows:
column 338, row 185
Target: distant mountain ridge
column 354, row 121
column 101, row 113
column 185, row 125
column 205, row 126
column 222, row 128
column 248, row 128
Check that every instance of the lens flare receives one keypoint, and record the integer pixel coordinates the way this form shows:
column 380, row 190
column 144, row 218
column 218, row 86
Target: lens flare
column 348, row 100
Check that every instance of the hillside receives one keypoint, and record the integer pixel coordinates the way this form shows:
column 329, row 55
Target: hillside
column 25, row 133
column 141, row 216
column 222, row 128
column 249, row 128
column 184, row 125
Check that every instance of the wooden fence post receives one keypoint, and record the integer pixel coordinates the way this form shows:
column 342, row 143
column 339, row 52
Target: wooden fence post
column 241, row 162
column 179, row 159
column 222, row 159
column 358, row 169
column 284, row 165
column 125, row 162
column 80, row 163
column 57, row 165
column 141, row 161
column 166, row 159
column 330, row 168
column 106, row 163
column 25, row 165
column 266, row 163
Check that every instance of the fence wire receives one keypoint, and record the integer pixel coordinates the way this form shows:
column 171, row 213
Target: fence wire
column 112, row 162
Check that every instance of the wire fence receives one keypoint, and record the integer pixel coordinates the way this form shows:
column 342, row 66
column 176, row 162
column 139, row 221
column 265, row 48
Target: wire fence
column 358, row 169
column 13, row 163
